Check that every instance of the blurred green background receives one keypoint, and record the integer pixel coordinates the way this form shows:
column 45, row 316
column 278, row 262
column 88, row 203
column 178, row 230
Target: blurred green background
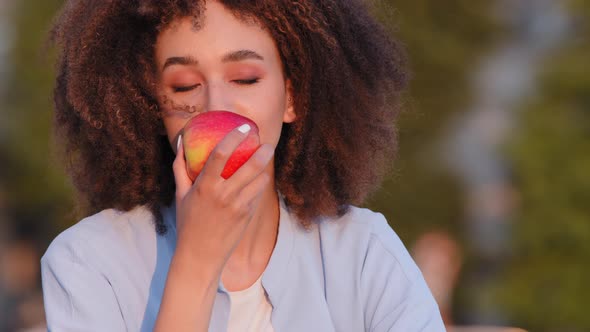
column 491, row 187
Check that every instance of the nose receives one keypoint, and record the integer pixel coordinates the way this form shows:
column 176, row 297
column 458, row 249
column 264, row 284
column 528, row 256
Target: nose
column 217, row 97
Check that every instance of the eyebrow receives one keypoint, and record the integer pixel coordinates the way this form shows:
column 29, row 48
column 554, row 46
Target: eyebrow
column 180, row 60
column 229, row 57
column 241, row 55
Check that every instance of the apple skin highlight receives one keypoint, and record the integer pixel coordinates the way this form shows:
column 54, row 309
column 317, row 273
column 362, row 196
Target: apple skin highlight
column 202, row 133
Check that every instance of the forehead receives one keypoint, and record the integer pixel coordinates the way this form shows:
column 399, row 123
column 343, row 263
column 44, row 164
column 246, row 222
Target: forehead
column 217, row 32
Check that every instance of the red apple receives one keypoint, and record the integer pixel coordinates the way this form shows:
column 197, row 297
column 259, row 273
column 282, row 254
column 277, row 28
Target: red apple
column 202, row 133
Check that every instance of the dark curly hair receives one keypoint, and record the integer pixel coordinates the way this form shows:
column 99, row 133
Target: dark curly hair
column 346, row 73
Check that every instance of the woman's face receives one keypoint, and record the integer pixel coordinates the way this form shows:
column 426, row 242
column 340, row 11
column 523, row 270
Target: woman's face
column 228, row 65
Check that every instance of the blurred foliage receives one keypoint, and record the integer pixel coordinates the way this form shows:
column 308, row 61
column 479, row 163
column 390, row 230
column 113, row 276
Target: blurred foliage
column 38, row 198
column 544, row 285
column 445, row 41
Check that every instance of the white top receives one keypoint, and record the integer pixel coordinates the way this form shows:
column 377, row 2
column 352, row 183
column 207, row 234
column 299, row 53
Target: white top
column 250, row 310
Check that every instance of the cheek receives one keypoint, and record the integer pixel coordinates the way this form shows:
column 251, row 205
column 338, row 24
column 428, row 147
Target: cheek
column 271, row 124
column 173, row 125
column 174, row 117
column 274, row 106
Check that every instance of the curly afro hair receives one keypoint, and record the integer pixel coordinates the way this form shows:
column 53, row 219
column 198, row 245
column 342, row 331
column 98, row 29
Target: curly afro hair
column 346, row 72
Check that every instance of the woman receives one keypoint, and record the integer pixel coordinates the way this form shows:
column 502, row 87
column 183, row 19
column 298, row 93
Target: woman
column 278, row 246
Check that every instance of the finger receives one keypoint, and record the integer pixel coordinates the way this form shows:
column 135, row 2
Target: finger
column 222, row 152
column 183, row 182
column 252, row 168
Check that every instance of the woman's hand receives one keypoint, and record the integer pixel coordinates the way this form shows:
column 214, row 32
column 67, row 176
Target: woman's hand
column 211, row 216
column 212, row 213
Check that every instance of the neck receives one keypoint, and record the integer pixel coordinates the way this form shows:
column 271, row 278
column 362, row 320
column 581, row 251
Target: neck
column 260, row 234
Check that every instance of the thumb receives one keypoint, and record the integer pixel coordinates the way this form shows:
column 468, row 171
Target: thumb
column 183, row 182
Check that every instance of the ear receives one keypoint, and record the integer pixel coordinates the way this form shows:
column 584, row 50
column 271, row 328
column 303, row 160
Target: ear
column 289, row 114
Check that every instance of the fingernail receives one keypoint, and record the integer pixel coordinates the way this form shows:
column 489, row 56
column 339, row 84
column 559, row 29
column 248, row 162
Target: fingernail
column 244, row 128
column 178, row 143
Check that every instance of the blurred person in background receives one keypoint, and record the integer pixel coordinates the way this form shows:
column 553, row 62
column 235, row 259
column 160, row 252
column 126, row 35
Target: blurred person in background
column 439, row 257
column 21, row 304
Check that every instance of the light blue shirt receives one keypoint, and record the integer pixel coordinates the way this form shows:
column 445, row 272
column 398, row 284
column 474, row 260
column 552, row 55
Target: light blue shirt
column 107, row 273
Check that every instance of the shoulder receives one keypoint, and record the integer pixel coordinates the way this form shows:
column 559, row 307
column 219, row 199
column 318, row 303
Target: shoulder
column 101, row 233
column 87, row 273
column 364, row 234
column 362, row 252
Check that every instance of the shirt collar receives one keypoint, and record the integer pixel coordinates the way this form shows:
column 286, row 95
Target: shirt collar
column 274, row 278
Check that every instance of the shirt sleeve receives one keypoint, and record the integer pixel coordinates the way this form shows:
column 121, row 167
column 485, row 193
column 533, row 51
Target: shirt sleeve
column 395, row 293
column 77, row 297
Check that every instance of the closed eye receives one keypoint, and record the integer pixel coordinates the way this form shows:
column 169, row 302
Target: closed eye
column 184, row 88
column 247, row 82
